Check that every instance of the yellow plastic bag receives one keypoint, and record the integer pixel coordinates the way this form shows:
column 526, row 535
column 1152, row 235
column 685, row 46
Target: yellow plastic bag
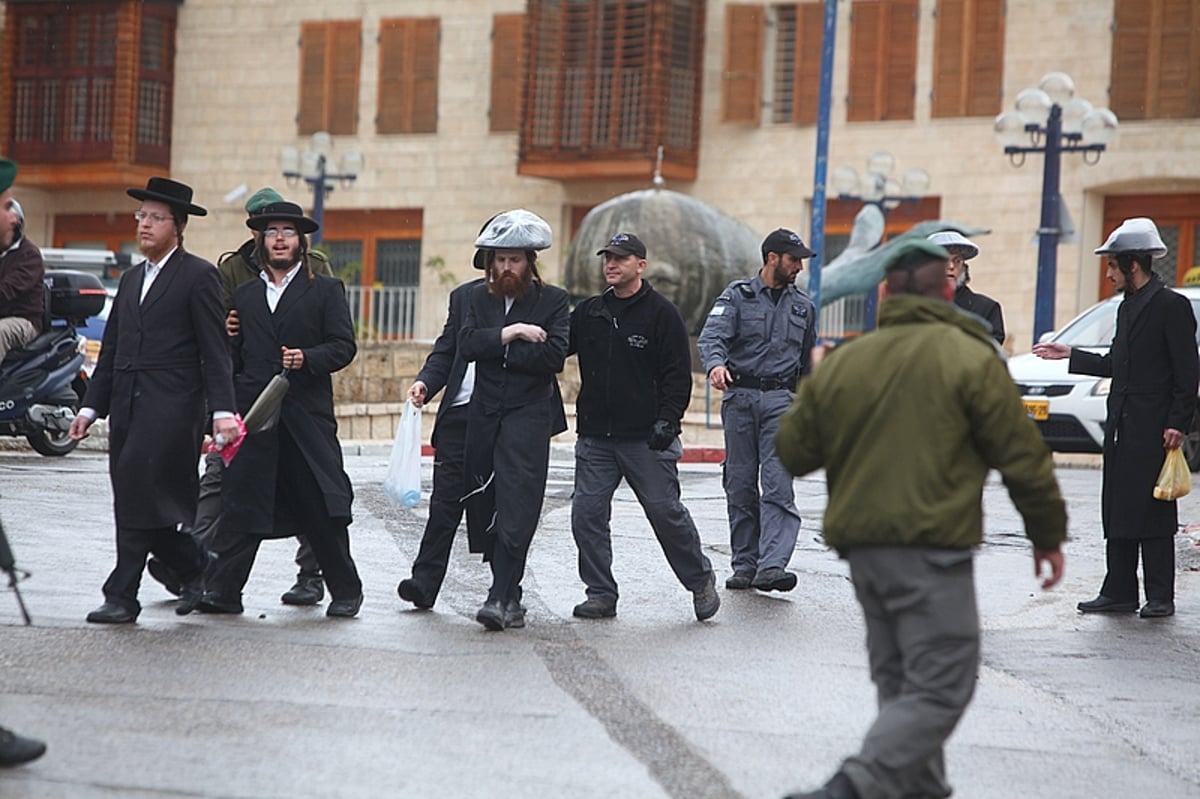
column 1175, row 479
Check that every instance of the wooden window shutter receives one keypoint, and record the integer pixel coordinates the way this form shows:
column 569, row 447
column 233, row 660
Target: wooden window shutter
column 951, row 59
column 984, row 93
column 311, row 116
column 1178, row 51
column 810, row 27
column 508, row 64
column 866, row 43
column 741, row 84
column 1156, row 59
column 425, row 55
column 900, row 47
column 968, row 58
column 883, row 60
column 409, row 50
column 344, row 58
column 330, row 54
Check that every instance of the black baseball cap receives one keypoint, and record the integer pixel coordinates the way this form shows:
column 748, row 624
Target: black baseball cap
column 624, row 244
column 784, row 240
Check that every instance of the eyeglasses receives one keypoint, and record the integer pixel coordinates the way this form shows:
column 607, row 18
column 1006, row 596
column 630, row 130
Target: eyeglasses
column 157, row 219
column 286, row 232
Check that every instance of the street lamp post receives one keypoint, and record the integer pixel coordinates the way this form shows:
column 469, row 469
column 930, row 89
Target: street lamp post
column 315, row 166
column 876, row 187
column 1053, row 121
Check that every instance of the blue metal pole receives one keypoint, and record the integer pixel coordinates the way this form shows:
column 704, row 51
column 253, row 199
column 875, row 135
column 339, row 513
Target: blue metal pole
column 1048, row 232
column 319, row 199
column 824, row 103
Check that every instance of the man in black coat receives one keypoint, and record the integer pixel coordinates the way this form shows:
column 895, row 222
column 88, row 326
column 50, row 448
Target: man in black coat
column 961, row 250
column 289, row 477
column 1151, row 403
column 164, row 365
column 516, row 332
column 443, row 369
column 635, row 383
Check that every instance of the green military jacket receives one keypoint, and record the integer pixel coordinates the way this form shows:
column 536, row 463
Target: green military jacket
column 906, row 422
column 238, row 267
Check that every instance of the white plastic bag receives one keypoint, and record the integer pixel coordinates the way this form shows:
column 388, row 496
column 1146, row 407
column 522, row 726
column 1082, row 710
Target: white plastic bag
column 403, row 481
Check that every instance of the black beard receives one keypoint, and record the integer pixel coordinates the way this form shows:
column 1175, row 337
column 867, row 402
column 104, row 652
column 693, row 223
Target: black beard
column 282, row 264
column 781, row 277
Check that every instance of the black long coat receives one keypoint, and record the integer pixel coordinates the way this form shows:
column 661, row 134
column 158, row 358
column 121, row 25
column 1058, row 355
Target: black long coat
column 515, row 409
column 312, row 315
column 445, row 367
column 1153, row 366
column 160, row 360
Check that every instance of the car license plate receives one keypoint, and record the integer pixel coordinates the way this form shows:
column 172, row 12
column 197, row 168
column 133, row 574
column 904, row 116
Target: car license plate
column 1038, row 410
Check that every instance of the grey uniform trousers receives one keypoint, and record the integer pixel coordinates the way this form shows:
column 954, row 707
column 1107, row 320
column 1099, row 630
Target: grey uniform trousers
column 599, row 466
column 763, row 525
column 923, row 646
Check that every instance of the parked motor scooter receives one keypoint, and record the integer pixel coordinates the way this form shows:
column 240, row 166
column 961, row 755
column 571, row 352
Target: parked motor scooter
column 42, row 384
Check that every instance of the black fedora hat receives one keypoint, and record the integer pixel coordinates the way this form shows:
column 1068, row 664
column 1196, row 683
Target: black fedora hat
column 282, row 212
column 171, row 192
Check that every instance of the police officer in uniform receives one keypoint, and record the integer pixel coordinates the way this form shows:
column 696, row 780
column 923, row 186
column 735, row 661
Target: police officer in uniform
column 755, row 345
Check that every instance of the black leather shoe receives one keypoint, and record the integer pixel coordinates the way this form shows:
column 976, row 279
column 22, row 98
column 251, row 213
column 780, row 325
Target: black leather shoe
column 344, row 608
column 308, row 590
column 739, row 581
column 514, row 614
column 1103, row 604
column 111, row 613
column 595, row 609
column 165, row 575
column 706, row 601
column 211, row 603
column 775, row 579
column 189, row 598
column 410, row 591
column 1157, row 608
column 491, row 615
column 16, row 749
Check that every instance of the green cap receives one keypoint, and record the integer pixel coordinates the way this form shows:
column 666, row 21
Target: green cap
column 261, row 199
column 8, row 173
column 909, row 252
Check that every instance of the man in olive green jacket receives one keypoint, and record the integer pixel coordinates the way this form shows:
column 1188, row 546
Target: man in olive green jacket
column 907, row 421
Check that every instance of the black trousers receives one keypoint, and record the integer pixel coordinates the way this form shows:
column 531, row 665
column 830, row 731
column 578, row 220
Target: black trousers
column 297, row 489
column 208, row 516
column 173, row 547
column 445, row 508
column 1158, row 568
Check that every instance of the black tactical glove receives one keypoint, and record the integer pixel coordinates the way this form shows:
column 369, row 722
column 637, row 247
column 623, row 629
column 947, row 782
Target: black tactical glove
column 662, row 435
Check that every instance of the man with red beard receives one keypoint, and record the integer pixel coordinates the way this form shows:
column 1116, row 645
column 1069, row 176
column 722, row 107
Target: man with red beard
column 516, row 333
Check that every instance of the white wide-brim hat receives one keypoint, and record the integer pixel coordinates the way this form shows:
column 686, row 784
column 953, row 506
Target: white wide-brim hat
column 516, row 230
column 952, row 238
column 1138, row 234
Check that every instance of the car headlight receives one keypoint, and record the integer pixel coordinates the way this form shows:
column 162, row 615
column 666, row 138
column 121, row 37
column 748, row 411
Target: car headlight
column 1101, row 387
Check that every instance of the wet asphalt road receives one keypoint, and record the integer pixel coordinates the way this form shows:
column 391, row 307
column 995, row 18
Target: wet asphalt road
column 767, row 697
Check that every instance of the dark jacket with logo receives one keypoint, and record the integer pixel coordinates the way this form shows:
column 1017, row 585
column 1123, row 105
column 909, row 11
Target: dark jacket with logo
column 1153, row 368
column 633, row 369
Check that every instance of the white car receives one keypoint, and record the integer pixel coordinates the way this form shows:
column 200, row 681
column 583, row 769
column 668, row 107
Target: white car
column 1071, row 409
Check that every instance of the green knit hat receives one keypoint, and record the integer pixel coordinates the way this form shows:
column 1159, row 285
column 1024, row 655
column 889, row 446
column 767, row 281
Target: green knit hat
column 261, row 199
column 8, row 173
